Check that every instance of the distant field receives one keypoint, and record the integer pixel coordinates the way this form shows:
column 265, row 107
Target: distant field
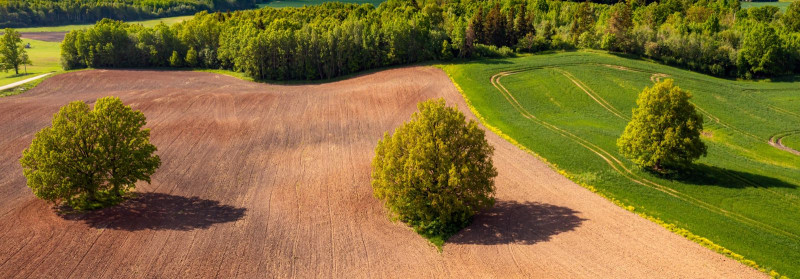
column 67, row 28
column 782, row 4
column 300, row 3
column 45, row 57
column 571, row 107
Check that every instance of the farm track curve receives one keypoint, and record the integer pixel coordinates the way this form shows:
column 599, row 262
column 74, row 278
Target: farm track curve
column 273, row 181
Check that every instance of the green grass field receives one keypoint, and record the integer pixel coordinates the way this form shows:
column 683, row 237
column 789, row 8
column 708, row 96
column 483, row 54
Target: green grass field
column 45, row 58
column 744, row 196
column 67, row 28
column 300, row 3
column 781, row 4
column 792, row 141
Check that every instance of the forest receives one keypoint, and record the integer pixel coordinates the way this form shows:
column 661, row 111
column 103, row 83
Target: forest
column 26, row 13
column 334, row 39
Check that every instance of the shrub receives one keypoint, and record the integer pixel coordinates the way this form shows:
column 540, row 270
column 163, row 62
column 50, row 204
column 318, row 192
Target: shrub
column 664, row 132
column 435, row 172
column 90, row 158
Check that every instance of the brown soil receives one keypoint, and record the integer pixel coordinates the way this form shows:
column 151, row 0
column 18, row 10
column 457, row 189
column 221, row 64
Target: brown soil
column 56, row 37
column 273, row 181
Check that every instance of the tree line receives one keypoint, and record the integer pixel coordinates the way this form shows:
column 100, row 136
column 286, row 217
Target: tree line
column 19, row 13
column 334, row 39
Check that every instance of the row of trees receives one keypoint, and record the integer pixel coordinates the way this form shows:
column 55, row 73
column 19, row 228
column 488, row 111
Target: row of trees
column 715, row 37
column 18, row 13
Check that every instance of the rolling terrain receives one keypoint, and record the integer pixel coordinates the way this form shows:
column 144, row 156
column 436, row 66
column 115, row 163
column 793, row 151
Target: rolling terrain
column 570, row 108
column 273, row 181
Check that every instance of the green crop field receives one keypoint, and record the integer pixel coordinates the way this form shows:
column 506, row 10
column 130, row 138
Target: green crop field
column 45, row 58
column 782, row 4
column 571, row 107
column 300, row 3
column 792, row 141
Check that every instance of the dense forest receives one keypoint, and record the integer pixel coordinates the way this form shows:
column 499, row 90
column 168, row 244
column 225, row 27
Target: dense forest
column 24, row 13
column 319, row 42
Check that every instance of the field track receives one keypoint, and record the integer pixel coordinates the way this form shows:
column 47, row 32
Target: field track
column 274, row 180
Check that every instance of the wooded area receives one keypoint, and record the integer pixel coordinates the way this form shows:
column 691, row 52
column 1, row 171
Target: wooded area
column 26, row 13
column 319, row 42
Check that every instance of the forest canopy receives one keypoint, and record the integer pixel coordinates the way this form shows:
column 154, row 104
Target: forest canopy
column 25, row 13
column 334, row 39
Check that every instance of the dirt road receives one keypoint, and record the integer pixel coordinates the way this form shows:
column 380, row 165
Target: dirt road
column 273, row 181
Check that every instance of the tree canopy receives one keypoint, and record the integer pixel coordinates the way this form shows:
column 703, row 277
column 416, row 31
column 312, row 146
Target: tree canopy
column 12, row 52
column 435, row 172
column 89, row 158
column 334, row 39
column 664, row 132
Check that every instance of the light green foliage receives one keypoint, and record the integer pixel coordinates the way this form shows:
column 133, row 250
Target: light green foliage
column 761, row 52
column 191, row 58
column 12, row 52
column 792, row 17
column 89, row 158
column 435, row 172
column 175, row 60
column 665, row 129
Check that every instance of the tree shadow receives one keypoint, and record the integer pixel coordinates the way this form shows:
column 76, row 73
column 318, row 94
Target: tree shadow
column 511, row 222
column 157, row 211
column 702, row 174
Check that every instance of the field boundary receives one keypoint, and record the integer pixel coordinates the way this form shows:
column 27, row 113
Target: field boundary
column 707, row 243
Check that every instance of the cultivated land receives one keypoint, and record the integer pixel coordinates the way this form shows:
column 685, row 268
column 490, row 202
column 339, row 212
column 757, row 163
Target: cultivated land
column 571, row 107
column 783, row 4
column 274, row 180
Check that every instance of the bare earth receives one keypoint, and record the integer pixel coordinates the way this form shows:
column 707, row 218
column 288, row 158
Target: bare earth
column 55, row 37
column 265, row 180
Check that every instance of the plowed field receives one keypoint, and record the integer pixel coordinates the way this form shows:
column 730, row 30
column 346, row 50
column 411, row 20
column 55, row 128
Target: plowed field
column 273, row 181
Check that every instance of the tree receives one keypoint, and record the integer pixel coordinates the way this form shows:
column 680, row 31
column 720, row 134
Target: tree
column 12, row 52
column 436, row 171
column 175, row 60
column 792, row 17
column 664, row 133
column 191, row 58
column 761, row 52
column 90, row 158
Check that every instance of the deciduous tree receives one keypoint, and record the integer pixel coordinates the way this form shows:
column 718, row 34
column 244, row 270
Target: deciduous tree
column 664, row 133
column 90, row 158
column 435, row 172
column 12, row 52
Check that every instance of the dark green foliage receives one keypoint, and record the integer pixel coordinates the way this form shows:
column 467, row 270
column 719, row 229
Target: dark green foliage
column 664, row 133
column 435, row 172
column 24, row 13
column 90, row 158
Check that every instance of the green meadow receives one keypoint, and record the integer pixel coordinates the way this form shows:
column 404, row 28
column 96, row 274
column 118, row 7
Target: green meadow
column 781, row 4
column 45, row 58
column 570, row 108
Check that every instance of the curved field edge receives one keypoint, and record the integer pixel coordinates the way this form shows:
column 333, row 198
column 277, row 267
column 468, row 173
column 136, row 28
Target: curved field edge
column 705, row 242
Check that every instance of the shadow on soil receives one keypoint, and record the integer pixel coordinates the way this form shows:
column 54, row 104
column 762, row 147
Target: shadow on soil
column 510, row 222
column 157, row 211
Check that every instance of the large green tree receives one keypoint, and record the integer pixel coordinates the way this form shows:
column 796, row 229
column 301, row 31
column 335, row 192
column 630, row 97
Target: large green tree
column 664, row 133
column 12, row 52
column 89, row 158
column 435, row 172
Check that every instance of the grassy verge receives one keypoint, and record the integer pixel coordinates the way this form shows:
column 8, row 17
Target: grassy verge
column 67, row 28
column 741, row 200
column 45, row 58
